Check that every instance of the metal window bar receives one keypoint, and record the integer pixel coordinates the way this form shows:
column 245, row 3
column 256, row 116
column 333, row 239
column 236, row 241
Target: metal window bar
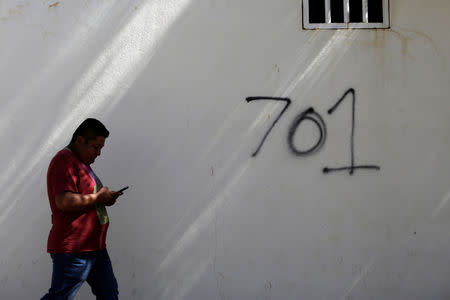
column 386, row 14
column 365, row 12
column 346, row 11
column 327, row 11
column 346, row 24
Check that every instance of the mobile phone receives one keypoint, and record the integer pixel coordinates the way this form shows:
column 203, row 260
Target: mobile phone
column 121, row 190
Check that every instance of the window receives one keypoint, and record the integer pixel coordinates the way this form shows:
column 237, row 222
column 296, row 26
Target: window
column 331, row 14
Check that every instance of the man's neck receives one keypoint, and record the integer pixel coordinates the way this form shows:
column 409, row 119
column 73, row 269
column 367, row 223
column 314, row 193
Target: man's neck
column 74, row 150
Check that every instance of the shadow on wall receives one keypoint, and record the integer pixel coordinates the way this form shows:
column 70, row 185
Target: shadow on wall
column 107, row 75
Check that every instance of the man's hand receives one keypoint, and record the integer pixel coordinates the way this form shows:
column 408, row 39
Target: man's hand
column 107, row 197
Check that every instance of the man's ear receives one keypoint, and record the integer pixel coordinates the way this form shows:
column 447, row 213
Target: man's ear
column 80, row 140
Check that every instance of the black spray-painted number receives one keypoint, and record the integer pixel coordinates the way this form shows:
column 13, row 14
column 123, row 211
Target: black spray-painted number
column 352, row 166
column 288, row 102
column 313, row 116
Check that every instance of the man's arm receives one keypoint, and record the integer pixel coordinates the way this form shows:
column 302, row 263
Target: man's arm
column 68, row 201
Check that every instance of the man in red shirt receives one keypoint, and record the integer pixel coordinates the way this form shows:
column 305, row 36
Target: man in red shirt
column 76, row 241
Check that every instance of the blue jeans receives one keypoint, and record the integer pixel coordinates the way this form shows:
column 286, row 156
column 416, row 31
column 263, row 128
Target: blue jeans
column 70, row 270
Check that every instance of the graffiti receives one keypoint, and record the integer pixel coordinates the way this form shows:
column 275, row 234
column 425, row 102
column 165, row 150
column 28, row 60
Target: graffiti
column 288, row 102
column 311, row 115
column 352, row 166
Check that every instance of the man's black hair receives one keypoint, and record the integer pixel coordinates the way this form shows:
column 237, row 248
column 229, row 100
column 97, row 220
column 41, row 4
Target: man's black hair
column 90, row 129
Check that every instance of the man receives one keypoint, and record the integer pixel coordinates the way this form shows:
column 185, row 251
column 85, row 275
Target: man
column 76, row 241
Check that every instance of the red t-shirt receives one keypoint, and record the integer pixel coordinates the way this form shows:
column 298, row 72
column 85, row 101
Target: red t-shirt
column 74, row 231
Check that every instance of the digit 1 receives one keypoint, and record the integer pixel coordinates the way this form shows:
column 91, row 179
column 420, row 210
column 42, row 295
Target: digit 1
column 352, row 138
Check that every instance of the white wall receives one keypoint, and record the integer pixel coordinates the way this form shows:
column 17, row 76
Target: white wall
column 204, row 219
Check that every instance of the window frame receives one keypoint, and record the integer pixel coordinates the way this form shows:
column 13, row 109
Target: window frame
column 346, row 25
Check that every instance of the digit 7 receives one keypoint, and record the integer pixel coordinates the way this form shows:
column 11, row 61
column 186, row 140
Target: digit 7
column 288, row 102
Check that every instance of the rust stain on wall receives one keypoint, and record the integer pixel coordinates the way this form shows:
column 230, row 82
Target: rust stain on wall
column 426, row 37
column 56, row 4
column 404, row 39
column 16, row 11
column 378, row 40
column 407, row 35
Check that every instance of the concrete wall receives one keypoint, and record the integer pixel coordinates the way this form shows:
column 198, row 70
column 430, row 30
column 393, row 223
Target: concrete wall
column 203, row 218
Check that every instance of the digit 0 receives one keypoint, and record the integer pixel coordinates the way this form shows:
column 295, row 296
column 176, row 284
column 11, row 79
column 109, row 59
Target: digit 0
column 314, row 117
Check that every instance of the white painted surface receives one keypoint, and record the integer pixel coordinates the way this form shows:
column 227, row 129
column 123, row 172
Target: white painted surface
column 203, row 219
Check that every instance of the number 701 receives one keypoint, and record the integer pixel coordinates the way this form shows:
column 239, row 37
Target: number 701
column 313, row 116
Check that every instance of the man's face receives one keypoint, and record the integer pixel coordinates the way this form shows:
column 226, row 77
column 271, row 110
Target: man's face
column 89, row 150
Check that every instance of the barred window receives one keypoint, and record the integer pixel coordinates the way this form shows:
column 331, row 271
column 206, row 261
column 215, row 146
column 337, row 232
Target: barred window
column 335, row 14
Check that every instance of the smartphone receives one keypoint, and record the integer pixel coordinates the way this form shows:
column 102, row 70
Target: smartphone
column 121, row 190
